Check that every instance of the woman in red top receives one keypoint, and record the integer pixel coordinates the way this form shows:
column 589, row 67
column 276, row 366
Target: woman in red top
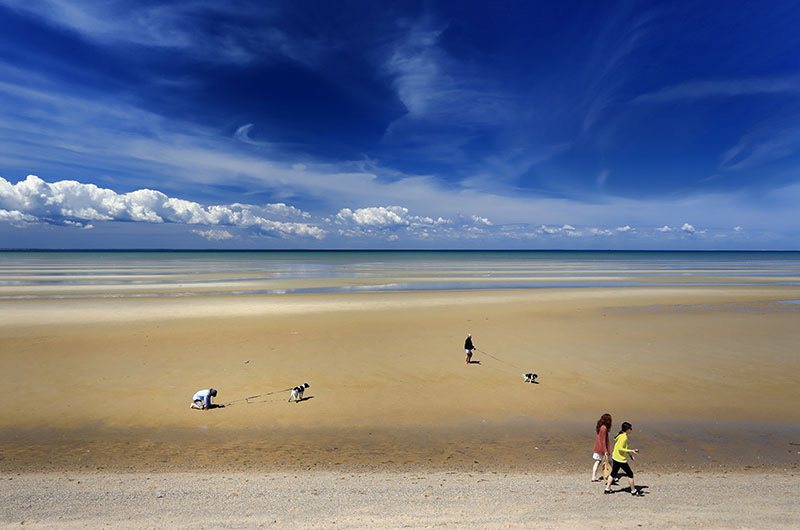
column 600, row 443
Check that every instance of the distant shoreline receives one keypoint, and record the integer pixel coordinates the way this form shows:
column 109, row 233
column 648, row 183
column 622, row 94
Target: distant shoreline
column 406, row 250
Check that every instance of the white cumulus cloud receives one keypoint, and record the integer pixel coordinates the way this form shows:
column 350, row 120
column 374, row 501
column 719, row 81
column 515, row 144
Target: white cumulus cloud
column 664, row 229
column 553, row 230
column 286, row 210
column 375, row 216
column 16, row 217
column 214, row 235
column 69, row 202
column 687, row 228
column 388, row 222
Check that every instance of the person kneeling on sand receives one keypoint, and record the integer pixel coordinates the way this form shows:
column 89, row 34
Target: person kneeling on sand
column 202, row 399
column 620, row 459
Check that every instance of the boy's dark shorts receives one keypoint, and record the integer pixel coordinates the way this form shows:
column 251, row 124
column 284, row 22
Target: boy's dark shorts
column 616, row 466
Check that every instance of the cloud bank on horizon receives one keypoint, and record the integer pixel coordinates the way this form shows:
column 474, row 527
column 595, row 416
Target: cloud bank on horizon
column 421, row 125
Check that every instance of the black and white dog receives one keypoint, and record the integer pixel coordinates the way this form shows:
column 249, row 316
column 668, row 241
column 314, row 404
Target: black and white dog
column 530, row 378
column 297, row 392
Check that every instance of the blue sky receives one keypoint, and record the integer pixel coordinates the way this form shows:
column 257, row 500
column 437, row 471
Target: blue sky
column 318, row 124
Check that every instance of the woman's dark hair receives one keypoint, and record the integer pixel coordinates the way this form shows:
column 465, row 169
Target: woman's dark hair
column 605, row 419
column 624, row 427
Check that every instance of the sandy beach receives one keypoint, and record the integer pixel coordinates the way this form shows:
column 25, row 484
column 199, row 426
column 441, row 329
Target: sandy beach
column 395, row 500
column 99, row 389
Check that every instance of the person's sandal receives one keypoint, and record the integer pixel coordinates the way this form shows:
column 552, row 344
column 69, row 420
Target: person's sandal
column 606, row 492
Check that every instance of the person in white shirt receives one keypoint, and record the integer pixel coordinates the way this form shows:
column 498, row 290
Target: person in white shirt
column 202, row 399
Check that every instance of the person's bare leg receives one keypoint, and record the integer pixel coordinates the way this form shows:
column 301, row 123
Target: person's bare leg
column 594, row 470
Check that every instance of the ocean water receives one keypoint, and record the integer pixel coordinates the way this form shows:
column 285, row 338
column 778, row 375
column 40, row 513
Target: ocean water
column 81, row 274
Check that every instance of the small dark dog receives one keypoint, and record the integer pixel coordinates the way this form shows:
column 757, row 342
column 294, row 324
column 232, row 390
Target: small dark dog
column 530, row 378
column 297, row 392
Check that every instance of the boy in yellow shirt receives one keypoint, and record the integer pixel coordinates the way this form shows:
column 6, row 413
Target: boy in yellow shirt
column 620, row 459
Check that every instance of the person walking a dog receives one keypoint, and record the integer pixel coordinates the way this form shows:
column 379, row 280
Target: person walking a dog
column 468, row 347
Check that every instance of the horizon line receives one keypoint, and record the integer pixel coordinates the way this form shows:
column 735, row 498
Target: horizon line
column 22, row 249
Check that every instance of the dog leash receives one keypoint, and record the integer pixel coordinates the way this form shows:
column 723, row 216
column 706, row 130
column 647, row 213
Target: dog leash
column 248, row 398
column 500, row 368
column 500, row 360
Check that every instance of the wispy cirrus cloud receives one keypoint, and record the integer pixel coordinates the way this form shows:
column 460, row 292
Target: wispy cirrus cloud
column 761, row 147
column 243, row 135
column 701, row 89
column 449, row 103
column 433, row 85
column 178, row 26
column 617, row 39
column 459, row 115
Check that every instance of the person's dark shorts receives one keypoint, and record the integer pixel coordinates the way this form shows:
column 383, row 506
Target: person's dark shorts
column 616, row 466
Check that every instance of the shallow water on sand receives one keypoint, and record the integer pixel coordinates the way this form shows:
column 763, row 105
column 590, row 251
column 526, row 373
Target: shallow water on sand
column 33, row 275
column 525, row 444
